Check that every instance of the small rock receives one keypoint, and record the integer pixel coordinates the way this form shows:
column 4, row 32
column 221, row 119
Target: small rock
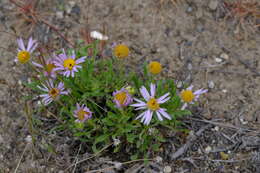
column 179, row 84
column 189, row 66
column 167, row 169
column 208, row 149
column 213, row 4
column 218, row 60
column 211, row 84
column 224, row 91
column 216, row 128
column 189, row 9
column 59, row 14
column 158, row 159
column 224, row 56
column 72, row 3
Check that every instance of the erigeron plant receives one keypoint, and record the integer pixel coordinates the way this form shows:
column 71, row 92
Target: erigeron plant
column 102, row 104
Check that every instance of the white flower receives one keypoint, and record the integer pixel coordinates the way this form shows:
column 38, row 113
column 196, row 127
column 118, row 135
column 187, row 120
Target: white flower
column 187, row 96
column 152, row 105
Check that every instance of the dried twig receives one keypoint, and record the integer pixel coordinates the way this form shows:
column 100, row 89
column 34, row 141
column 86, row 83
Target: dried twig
column 20, row 159
column 186, row 146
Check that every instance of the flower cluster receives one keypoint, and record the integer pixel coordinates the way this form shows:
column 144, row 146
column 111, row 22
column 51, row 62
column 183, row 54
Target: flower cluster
column 101, row 100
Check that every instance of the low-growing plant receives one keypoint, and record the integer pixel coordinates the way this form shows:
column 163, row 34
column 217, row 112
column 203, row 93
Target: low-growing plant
column 103, row 102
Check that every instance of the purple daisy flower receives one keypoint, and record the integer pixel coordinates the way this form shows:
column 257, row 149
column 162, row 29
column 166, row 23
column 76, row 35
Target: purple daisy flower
column 48, row 68
column 24, row 54
column 122, row 98
column 52, row 92
column 152, row 105
column 68, row 65
column 82, row 113
column 187, row 96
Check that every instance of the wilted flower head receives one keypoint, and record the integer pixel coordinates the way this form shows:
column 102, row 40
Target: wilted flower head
column 82, row 113
column 68, row 65
column 121, row 51
column 52, row 92
column 24, row 54
column 188, row 96
column 151, row 104
column 97, row 35
column 122, row 98
column 48, row 68
column 155, row 67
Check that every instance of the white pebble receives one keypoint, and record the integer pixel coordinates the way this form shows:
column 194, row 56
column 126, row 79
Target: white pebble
column 216, row 128
column 224, row 56
column 224, row 91
column 167, row 169
column 208, row 149
column 218, row 60
column 28, row 139
column 118, row 165
column 158, row 159
column 211, row 84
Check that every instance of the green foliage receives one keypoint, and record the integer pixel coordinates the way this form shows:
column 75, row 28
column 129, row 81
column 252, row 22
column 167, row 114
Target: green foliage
column 94, row 85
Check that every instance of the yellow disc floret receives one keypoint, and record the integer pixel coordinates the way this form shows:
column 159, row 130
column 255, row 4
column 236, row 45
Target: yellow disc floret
column 54, row 92
column 155, row 67
column 153, row 104
column 187, row 96
column 50, row 67
column 81, row 114
column 69, row 63
column 121, row 51
column 23, row 56
column 121, row 97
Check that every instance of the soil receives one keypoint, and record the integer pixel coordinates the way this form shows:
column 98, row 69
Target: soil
column 199, row 42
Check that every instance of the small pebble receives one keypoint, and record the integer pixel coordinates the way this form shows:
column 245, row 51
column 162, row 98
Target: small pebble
column 213, row 4
column 28, row 139
column 189, row 66
column 218, row 60
column 59, row 14
column 189, row 9
column 224, row 56
column 211, row 84
column 216, row 128
column 208, row 149
column 179, row 84
column 158, row 159
column 224, row 91
column 167, row 169
column 118, row 165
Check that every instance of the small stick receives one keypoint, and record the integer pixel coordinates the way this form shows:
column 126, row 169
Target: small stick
column 186, row 146
column 20, row 159
column 89, row 157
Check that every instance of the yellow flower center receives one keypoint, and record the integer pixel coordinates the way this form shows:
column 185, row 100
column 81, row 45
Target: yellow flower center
column 121, row 97
column 153, row 104
column 154, row 67
column 81, row 114
column 23, row 56
column 187, row 95
column 69, row 63
column 50, row 67
column 54, row 92
column 121, row 51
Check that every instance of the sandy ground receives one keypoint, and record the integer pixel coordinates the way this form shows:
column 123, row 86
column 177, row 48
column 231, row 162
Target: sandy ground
column 196, row 41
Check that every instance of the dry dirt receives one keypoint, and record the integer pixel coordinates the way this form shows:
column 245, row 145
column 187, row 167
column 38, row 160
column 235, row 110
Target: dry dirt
column 197, row 41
